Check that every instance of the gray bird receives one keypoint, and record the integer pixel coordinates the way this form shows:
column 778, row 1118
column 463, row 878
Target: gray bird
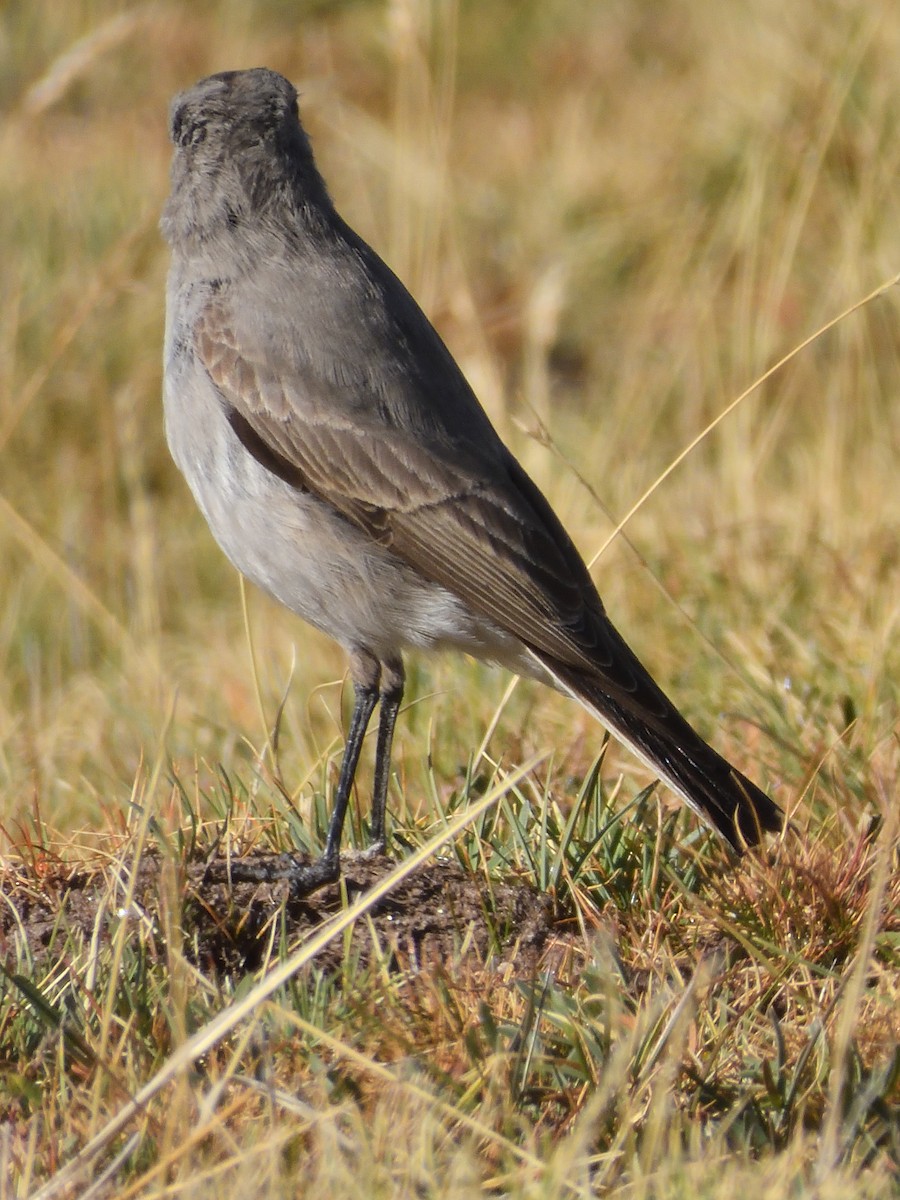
column 346, row 467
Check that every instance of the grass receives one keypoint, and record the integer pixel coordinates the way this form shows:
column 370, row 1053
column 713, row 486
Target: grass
column 619, row 217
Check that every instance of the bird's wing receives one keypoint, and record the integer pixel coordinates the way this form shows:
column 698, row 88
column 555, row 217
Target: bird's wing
column 469, row 520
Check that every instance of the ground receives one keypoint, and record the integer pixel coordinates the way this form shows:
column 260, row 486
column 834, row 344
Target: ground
column 226, row 926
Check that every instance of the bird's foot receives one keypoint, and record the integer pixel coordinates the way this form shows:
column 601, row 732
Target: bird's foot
column 303, row 878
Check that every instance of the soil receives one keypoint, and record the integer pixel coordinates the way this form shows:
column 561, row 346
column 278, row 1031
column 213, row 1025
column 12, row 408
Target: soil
column 434, row 914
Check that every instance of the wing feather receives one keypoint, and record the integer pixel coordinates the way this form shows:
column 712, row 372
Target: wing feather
column 472, row 522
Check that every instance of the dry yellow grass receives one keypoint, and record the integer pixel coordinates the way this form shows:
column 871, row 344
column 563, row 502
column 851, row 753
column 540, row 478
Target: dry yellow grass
column 619, row 216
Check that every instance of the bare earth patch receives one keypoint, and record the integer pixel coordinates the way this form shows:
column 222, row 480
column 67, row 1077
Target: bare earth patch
column 431, row 915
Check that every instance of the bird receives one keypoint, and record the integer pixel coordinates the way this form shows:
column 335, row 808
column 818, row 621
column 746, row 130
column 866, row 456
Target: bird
column 346, row 467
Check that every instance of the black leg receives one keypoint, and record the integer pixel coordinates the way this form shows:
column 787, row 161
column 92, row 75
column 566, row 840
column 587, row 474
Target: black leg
column 366, row 673
column 363, row 707
column 392, row 679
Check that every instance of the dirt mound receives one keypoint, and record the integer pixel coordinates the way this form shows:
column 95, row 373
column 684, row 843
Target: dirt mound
column 227, row 925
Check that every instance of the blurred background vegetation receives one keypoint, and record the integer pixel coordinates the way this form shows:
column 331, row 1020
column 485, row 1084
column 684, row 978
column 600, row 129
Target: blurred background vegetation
column 618, row 214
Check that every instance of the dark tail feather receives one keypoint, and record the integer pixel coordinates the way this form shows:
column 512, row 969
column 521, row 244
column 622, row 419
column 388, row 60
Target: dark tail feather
column 647, row 721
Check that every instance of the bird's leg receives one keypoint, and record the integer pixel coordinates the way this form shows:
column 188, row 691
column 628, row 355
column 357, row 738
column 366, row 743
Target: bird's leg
column 392, row 680
column 365, row 671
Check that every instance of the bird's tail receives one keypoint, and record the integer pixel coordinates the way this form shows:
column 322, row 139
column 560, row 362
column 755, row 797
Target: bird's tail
column 647, row 721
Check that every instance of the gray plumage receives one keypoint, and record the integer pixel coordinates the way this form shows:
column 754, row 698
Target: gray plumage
column 346, row 467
